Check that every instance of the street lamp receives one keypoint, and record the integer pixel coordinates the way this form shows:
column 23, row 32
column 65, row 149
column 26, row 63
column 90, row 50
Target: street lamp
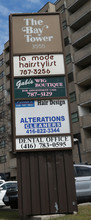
column 79, row 152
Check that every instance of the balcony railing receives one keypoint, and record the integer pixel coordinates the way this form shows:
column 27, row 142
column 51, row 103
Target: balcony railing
column 88, row 144
column 13, row 163
column 81, row 16
column 83, row 56
column 82, row 37
column 86, row 121
column 7, row 71
column 8, row 85
column 85, row 98
column 74, row 5
column 84, row 77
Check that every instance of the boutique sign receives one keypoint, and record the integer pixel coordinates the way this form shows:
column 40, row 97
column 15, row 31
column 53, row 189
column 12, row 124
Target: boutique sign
column 39, row 87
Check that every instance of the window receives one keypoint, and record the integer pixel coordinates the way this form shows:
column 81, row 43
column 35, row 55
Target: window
column 3, row 159
column 1, row 75
column 68, row 58
column 64, row 24
column 2, row 101
column 72, row 97
column 74, row 117
column 1, row 87
column 1, row 62
column 70, row 77
column 83, row 171
column 62, row 8
column 2, row 129
column 2, row 143
column 2, row 114
column 66, row 41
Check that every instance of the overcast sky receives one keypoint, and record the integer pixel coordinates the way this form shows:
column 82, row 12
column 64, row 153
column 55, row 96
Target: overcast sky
column 16, row 6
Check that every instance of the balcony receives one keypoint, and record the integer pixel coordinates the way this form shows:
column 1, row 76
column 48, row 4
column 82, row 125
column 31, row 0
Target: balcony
column 8, row 85
column 85, row 98
column 6, row 46
column 8, row 115
column 82, row 37
column 74, row 5
column 7, row 58
column 88, row 144
column 86, row 121
column 75, row 128
column 13, row 163
column 83, row 56
column 84, row 77
column 8, row 99
column 81, row 16
column 49, row 7
column 7, row 71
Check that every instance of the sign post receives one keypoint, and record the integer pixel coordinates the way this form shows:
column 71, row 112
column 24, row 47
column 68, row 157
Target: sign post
column 41, row 126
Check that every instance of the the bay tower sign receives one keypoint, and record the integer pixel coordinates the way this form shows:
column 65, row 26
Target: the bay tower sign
column 41, row 125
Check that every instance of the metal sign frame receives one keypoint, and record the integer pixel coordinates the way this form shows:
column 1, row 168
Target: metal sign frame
column 39, row 53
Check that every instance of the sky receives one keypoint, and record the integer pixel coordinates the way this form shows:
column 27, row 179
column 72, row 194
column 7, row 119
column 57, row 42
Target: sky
column 8, row 7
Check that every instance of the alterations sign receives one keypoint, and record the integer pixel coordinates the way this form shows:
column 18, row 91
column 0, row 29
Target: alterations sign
column 36, row 33
column 40, row 65
column 39, row 87
column 41, row 117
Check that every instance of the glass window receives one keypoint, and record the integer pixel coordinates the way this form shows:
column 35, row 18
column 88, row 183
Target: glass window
column 2, row 129
column 66, row 41
column 1, row 87
column 1, row 74
column 72, row 97
column 2, row 114
column 2, row 101
column 62, row 8
column 68, row 59
column 2, row 143
column 83, row 171
column 74, row 117
column 64, row 24
column 1, row 62
column 3, row 159
column 70, row 77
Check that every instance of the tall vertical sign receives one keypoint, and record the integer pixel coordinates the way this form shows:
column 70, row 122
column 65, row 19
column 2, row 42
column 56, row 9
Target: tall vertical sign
column 40, row 99
column 40, row 107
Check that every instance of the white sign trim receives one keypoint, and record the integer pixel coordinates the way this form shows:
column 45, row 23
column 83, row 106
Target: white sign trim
column 42, row 143
column 38, row 65
column 42, row 117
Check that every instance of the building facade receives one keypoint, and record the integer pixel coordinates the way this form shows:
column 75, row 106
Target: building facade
column 75, row 21
column 8, row 162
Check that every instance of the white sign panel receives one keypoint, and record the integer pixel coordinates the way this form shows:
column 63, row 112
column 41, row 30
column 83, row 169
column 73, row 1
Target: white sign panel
column 41, row 117
column 38, row 65
column 51, row 142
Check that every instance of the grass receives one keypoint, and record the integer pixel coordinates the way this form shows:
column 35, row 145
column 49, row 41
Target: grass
column 84, row 213
column 9, row 214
